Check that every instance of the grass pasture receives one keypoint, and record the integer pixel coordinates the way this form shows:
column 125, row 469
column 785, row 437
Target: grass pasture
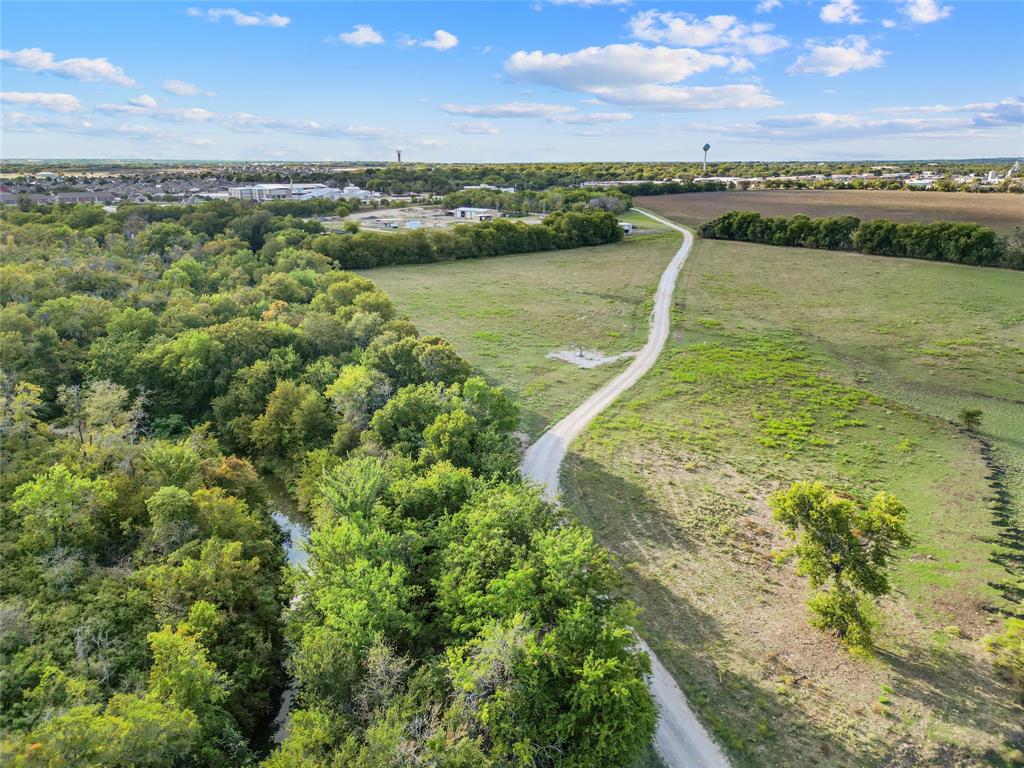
column 1001, row 212
column 783, row 364
column 789, row 364
column 505, row 314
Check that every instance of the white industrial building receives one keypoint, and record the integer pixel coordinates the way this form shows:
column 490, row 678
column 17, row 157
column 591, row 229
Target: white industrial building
column 475, row 214
column 262, row 192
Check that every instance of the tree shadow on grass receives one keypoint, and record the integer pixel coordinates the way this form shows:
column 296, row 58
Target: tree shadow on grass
column 756, row 723
column 959, row 689
column 1009, row 539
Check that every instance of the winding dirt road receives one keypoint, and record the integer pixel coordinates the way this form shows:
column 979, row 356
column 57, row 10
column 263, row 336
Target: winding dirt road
column 681, row 740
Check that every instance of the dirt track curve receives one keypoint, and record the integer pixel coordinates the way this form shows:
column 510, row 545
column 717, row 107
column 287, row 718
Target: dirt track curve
column 681, row 740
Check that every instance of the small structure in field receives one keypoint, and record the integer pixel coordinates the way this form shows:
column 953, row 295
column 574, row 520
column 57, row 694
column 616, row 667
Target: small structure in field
column 627, row 226
column 475, row 214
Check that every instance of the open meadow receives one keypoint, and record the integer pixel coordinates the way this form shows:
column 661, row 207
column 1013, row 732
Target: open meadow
column 783, row 364
column 788, row 364
column 1001, row 212
column 506, row 314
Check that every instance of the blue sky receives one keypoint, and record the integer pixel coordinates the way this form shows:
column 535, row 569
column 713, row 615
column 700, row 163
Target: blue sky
column 513, row 81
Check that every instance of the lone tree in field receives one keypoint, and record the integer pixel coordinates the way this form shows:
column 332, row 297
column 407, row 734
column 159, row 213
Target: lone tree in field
column 844, row 549
column 970, row 419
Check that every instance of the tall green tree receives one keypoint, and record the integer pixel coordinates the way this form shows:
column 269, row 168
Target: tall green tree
column 846, row 551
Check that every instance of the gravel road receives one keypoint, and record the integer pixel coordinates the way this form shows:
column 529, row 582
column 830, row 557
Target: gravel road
column 681, row 740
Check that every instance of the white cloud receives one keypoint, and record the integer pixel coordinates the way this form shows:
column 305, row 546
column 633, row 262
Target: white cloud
column 241, row 19
column 689, row 98
column 925, row 11
column 841, row 11
column 361, row 34
column 639, row 76
column 475, row 127
column 939, row 108
column 441, row 41
column 138, row 109
column 888, row 23
column 1009, row 111
column 37, row 60
column 612, row 65
column 508, row 109
column 596, row 118
column 720, row 31
column 850, row 54
column 145, row 100
column 181, row 88
column 54, row 102
column 830, row 125
column 21, row 123
column 1006, row 112
column 766, row 6
column 553, row 113
column 589, row 3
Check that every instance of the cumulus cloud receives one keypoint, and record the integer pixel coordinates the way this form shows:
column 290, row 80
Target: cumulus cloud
column 720, row 31
column 145, row 100
column 37, row 60
column 181, row 88
column 840, row 12
column 553, row 113
column 850, row 54
column 766, row 6
column 54, row 102
column 362, row 34
column 241, row 19
column 925, row 11
column 475, row 127
column 640, row 76
column 441, row 41
column 611, row 65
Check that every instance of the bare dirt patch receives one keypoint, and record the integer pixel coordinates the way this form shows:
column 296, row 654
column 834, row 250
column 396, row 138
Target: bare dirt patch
column 587, row 358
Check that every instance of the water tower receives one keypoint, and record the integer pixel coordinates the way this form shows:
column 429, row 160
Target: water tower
column 706, row 148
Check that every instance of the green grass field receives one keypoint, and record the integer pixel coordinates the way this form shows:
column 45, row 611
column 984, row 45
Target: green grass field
column 788, row 364
column 783, row 364
column 505, row 314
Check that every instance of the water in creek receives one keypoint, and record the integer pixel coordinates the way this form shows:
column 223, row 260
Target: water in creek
column 291, row 522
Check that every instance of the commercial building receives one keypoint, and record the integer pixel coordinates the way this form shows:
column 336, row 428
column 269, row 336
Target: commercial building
column 261, row 193
column 475, row 214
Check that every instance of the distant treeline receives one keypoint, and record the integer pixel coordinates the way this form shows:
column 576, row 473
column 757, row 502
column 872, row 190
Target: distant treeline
column 546, row 201
column 957, row 242
column 558, row 231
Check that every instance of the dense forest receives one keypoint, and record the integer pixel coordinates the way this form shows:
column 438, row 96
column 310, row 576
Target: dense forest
column 558, row 231
column 545, row 201
column 164, row 372
column 957, row 242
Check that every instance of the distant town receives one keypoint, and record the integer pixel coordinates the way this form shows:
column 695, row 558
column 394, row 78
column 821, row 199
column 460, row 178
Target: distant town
column 402, row 184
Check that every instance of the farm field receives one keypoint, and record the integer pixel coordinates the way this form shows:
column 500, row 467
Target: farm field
column 506, row 314
column 788, row 364
column 1001, row 212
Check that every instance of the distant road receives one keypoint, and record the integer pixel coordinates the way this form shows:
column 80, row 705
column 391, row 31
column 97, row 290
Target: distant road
column 681, row 740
